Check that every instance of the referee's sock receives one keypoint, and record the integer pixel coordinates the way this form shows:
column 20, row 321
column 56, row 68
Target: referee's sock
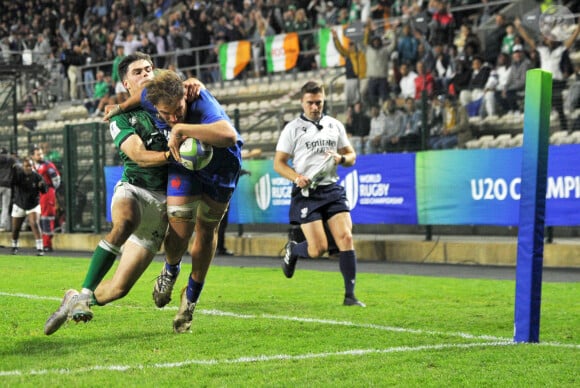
column 347, row 265
column 301, row 249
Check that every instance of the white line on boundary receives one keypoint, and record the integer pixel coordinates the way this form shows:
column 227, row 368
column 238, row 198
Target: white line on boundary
column 317, row 320
column 250, row 359
column 300, row 319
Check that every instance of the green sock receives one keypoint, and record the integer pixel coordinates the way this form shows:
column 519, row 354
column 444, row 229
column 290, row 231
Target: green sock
column 101, row 262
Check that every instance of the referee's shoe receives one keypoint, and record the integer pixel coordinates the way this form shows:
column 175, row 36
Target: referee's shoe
column 289, row 262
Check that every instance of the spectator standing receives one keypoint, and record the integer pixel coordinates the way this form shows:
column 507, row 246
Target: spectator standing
column 356, row 69
column 551, row 53
column 302, row 26
column 442, row 26
column 236, row 31
column 48, row 171
column 311, row 206
column 120, row 91
column 163, row 46
column 407, row 47
column 28, row 185
column 377, row 58
column 357, row 126
column 147, row 47
column 88, row 72
column 494, row 41
column 7, row 165
column 573, row 99
column 130, row 43
column 328, row 16
column 75, row 59
column 262, row 30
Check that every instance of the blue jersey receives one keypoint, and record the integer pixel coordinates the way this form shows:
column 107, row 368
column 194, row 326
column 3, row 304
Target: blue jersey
column 224, row 168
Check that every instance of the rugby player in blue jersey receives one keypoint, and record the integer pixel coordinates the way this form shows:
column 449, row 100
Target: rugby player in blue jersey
column 196, row 200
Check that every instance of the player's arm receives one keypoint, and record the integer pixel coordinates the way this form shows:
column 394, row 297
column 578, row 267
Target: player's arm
column 192, row 86
column 220, row 134
column 282, row 167
column 524, row 34
column 135, row 149
column 568, row 43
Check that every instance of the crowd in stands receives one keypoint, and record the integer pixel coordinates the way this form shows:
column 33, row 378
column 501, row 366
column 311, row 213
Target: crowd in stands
column 411, row 50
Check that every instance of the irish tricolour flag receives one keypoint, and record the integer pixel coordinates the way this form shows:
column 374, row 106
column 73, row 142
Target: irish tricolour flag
column 329, row 56
column 234, row 57
column 281, row 52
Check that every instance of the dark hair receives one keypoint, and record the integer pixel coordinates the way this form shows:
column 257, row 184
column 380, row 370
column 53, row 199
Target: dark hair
column 125, row 62
column 166, row 88
column 312, row 87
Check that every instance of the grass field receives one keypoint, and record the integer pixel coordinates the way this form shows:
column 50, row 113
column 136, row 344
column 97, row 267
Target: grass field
column 253, row 327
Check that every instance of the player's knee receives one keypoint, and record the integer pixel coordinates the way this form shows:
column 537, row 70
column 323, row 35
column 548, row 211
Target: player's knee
column 317, row 250
column 345, row 240
column 182, row 213
column 120, row 232
column 210, row 215
column 119, row 291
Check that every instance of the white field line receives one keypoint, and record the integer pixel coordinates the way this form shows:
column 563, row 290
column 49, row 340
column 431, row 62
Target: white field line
column 315, row 320
column 250, row 359
column 297, row 319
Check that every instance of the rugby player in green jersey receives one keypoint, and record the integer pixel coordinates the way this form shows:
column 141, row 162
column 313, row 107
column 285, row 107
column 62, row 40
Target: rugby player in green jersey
column 139, row 213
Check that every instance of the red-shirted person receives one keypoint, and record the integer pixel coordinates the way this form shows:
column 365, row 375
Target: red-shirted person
column 51, row 177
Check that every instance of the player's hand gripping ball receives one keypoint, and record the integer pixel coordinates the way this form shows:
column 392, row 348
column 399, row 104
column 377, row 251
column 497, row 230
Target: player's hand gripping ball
column 195, row 155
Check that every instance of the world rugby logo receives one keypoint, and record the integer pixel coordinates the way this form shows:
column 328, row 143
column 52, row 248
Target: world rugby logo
column 263, row 192
column 350, row 184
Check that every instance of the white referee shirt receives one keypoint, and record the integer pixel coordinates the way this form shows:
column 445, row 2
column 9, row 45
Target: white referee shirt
column 308, row 145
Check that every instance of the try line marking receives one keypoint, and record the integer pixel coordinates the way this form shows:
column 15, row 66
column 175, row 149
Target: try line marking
column 288, row 318
column 494, row 339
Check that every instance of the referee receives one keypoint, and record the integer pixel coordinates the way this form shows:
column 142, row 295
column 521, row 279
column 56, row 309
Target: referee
column 317, row 144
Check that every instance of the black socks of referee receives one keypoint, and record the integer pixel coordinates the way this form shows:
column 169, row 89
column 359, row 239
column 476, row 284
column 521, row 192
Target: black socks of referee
column 347, row 265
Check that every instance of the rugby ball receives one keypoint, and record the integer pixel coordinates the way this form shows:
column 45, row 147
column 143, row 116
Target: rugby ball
column 195, row 155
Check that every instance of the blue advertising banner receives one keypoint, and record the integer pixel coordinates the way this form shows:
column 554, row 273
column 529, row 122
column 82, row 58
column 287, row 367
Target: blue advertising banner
column 482, row 187
column 380, row 189
column 454, row 187
column 563, row 186
column 112, row 175
column 459, row 187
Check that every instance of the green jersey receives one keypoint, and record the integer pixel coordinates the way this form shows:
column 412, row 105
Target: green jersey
column 138, row 122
